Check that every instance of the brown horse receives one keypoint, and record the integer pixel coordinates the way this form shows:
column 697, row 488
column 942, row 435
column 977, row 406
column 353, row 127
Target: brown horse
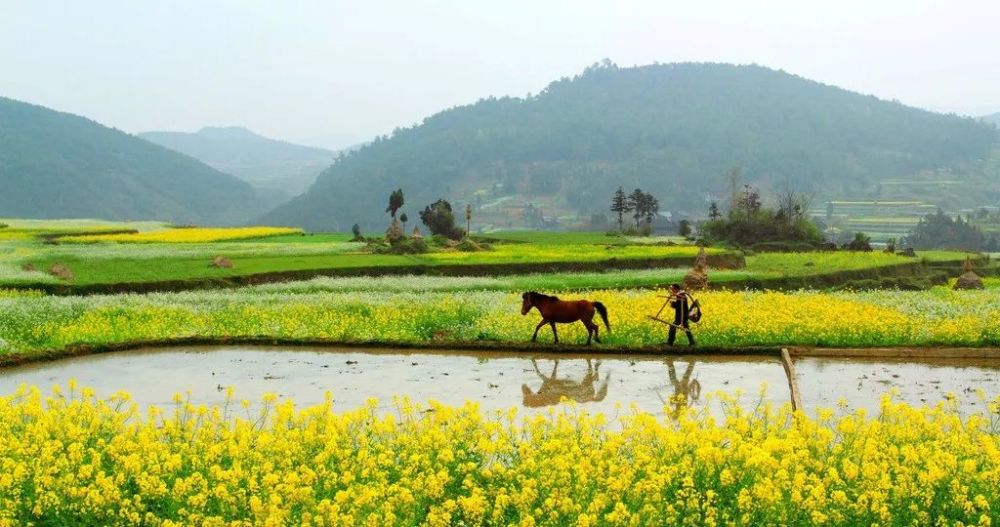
column 564, row 312
column 553, row 389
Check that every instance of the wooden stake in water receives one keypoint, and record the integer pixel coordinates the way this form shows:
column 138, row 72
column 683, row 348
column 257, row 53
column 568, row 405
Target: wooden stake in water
column 793, row 383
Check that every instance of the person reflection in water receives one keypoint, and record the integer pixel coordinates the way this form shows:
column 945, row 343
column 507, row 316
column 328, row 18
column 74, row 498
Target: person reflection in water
column 685, row 388
column 553, row 389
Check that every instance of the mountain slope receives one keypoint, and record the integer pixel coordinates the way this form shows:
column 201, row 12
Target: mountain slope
column 59, row 165
column 264, row 163
column 992, row 118
column 670, row 129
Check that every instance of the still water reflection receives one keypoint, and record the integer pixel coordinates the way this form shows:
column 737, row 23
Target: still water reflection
column 553, row 389
column 609, row 384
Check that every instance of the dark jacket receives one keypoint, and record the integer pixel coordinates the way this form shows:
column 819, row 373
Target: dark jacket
column 681, row 308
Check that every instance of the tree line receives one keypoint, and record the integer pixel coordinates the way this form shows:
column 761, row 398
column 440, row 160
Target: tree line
column 641, row 205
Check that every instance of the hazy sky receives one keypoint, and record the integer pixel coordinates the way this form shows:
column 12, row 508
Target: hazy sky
column 332, row 73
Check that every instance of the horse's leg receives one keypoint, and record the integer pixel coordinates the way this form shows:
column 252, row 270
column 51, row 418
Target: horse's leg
column 590, row 331
column 597, row 331
column 534, row 364
column 534, row 337
column 555, row 335
column 591, row 325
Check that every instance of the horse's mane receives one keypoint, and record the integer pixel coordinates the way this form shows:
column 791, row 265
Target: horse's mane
column 535, row 295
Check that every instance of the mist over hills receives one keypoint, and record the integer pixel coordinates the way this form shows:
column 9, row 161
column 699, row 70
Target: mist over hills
column 672, row 129
column 992, row 118
column 59, row 165
column 267, row 164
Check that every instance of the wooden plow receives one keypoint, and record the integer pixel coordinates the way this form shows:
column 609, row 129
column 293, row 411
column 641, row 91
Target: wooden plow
column 670, row 323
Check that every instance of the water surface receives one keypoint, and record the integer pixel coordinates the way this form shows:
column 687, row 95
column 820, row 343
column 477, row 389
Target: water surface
column 609, row 383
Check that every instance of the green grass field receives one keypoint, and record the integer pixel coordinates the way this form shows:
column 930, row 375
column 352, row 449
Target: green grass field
column 562, row 256
column 26, row 246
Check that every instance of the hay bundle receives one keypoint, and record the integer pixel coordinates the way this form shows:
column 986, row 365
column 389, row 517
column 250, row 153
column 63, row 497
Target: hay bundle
column 697, row 278
column 969, row 279
column 221, row 262
column 394, row 232
column 61, row 271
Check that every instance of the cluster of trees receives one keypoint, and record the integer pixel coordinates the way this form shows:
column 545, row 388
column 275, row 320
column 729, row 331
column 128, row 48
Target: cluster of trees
column 941, row 231
column 749, row 222
column 643, row 206
column 438, row 217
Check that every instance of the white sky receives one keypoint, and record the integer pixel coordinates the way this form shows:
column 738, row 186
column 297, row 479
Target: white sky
column 333, row 73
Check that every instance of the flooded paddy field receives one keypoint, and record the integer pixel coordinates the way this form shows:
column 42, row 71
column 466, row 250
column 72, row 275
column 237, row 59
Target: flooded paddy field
column 498, row 381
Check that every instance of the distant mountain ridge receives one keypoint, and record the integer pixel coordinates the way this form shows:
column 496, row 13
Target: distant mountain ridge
column 992, row 118
column 60, row 165
column 671, row 129
column 267, row 164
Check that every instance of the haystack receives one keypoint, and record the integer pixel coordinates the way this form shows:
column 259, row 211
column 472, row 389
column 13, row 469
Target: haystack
column 221, row 262
column 697, row 278
column 61, row 271
column 969, row 279
column 394, row 232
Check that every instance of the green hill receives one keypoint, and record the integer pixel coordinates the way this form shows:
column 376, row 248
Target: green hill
column 672, row 129
column 58, row 165
column 267, row 164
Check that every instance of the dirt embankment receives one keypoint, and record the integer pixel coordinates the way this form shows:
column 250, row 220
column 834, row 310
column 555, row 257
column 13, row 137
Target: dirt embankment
column 541, row 349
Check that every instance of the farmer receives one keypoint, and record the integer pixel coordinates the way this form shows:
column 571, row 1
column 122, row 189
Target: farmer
column 679, row 301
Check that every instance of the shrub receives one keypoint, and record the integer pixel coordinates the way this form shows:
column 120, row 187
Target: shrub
column 761, row 226
column 470, row 246
column 440, row 220
column 401, row 246
column 940, row 231
column 861, row 242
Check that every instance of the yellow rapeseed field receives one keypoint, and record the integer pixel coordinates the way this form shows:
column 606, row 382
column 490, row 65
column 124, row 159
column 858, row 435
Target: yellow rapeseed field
column 34, row 324
column 185, row 235
column 71, row 459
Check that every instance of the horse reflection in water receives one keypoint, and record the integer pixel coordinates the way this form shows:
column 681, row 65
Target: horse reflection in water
column 554, row 389
column 685, row 388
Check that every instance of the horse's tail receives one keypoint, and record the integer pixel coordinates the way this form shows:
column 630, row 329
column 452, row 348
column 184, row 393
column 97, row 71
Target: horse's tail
column 603, row 311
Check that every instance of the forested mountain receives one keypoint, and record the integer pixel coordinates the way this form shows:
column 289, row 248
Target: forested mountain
column 673, row 130
column 992, row 118
column 58, row 165
column 265, row 163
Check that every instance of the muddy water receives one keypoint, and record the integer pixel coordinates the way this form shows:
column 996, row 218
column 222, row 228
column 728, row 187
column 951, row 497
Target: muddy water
column 608, row 384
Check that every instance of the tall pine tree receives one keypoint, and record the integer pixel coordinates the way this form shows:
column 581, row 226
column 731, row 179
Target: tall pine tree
column 637, row 204
column 620, row 205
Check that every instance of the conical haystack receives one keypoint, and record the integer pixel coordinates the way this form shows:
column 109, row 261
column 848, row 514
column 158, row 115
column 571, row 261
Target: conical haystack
column 61, row 271
column 221, row 262
column 697, row 278
column 969, row 279
column 395, row 231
